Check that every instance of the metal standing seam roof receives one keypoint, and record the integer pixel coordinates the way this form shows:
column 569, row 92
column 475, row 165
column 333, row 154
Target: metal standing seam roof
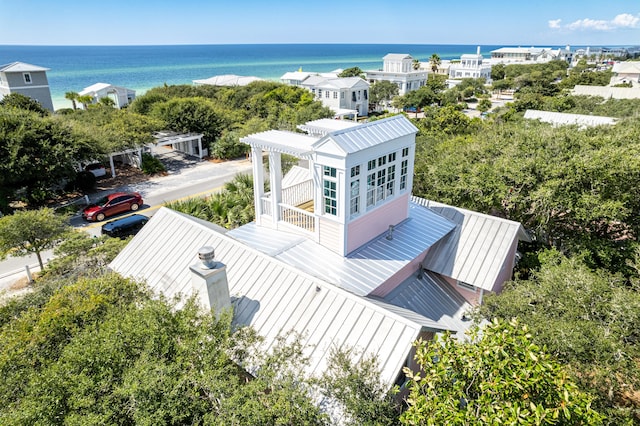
column 228, row 80
column 341, row 83
column 561, row 118
column 363, row 270
column 326, row 125
column 271, row 296
column 630, row 67
column 370, row 134
column 21, row 67
column 607, row 92
column 475, row 252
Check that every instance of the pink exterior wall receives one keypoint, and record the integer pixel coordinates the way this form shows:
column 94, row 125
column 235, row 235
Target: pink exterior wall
column 404, row 273
column 376, row 222
column 469, row 296
column 506, row 272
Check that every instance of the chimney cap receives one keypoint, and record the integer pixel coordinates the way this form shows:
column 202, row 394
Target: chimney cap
column 206, row 254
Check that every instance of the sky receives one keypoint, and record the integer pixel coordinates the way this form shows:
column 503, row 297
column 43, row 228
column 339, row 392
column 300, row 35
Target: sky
column 159, row 22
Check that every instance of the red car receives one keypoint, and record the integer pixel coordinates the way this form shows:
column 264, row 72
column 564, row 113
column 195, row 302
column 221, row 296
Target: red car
column 112, row 204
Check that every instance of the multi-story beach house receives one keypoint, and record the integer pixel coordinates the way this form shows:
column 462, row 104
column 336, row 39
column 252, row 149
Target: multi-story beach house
column 26, row 79
column 340, row 252
column 398, row 68
column 626, row 73
column 471, row 66
column 344, row 95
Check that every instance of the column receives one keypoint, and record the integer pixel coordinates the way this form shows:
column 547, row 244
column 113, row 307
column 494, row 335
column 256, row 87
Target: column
column 258, row 181
column 275, row 175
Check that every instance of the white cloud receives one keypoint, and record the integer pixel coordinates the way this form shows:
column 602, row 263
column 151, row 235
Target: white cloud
column 555, row 23
column 623, row 20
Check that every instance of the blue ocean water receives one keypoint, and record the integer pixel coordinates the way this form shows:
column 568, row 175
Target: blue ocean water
column 73, row 68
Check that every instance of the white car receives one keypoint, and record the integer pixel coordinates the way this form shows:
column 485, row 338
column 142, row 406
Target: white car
column 97, row 169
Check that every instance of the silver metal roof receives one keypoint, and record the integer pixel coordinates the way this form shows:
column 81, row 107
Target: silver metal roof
column 326, row 125
column 371, row 134
column 363, row 270
column 271, row 296
column 21, row 67
column 476, row 251
column 429, row 296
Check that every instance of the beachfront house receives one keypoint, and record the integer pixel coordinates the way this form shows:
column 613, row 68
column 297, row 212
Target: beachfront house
column 340, row 251
column 471, row 66
column 121, row 96
column 296, row 78
column 344, row 95
column 398, row 69
column 26, row 79
column 227, row 80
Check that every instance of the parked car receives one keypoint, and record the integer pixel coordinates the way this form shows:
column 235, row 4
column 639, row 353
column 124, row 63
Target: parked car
column 112, row 204
column 97, row 169
column 124, row 227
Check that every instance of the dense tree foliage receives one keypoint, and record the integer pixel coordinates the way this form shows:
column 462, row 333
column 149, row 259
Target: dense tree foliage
column 499, row 377
column 382, row 92
column 22, row 102
column 352, row 72
column 28, row 232
column 587, row 320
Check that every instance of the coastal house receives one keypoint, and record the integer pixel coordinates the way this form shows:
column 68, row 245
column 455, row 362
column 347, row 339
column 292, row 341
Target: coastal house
column 398, row 69
column 296, row 78
column 121, row 96
column 340, row 252
column 531, row 55
column 471, row 66
column 226, row 80
column 344, row 95
column 626, row 72
column 26, row 79
column 607, row 92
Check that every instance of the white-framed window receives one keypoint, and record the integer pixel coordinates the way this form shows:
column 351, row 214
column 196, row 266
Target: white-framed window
column 391, row 180
column 381, row 178
column 354, row 207
column 319, row 93
column 27, row 77
column 330, row 192
column 405, row 152
column 341, row 95
column 335, row 95
column 403, row 174
column 327, row 94
column 466, row 286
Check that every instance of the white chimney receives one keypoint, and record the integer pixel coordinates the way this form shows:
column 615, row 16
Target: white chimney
column 209, row 282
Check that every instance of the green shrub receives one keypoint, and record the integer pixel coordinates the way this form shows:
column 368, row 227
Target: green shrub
column 151, row 165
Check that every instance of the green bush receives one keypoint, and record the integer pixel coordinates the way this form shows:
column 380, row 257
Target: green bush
column 151, row 165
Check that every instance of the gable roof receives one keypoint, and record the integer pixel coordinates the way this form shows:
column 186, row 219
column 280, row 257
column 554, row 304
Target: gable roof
column 629, row 67
column 326, row 125
column 396, row 56
column 370, row 134
column 476, row 250
column 342, row 83
column 227, row 80
column 21, row 67
column 271, row 296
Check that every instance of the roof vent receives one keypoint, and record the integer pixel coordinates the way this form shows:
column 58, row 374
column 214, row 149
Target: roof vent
column 390, row 233
column 206, row 255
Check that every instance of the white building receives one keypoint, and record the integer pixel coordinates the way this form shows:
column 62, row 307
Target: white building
column 471, row 66
column 340, row 252
column 398, row 69
column 226, row 80
column 121, row 96
column 626, row 72
column 295, row 78
column 344, row 95
column 530, row 55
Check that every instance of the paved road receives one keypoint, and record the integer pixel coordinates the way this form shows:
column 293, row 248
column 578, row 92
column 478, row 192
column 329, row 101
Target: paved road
column 186, row 179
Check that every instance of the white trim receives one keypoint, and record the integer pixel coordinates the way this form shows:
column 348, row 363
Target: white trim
column 467, row 286
column 25, row 87
column 24, row 77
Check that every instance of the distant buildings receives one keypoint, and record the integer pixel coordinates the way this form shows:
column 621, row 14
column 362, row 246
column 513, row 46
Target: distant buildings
column 226, row 80
column 626, row 72
column 26, row 79
column 399, row 68
column 121, row 96
column 529, row 55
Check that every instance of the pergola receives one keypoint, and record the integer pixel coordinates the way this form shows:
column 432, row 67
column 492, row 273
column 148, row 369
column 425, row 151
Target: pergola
column 189, row 143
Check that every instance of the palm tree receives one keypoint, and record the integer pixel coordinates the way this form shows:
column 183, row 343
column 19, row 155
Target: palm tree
column 85, row 100
column 435, row 62
column 416, row 64
column 72, row 96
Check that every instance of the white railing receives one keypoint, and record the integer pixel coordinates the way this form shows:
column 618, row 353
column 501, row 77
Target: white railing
column 265, row 205
column 298, row 194
column 297, row 217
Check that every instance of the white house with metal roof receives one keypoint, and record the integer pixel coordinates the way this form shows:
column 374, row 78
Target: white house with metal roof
column 339, row 252
column 471, row 66
column 121, row 96
column 626, row 72
column 343, row 95
column 26, row 79
column 226, row 80
column 398, row 69
column 566, row 119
